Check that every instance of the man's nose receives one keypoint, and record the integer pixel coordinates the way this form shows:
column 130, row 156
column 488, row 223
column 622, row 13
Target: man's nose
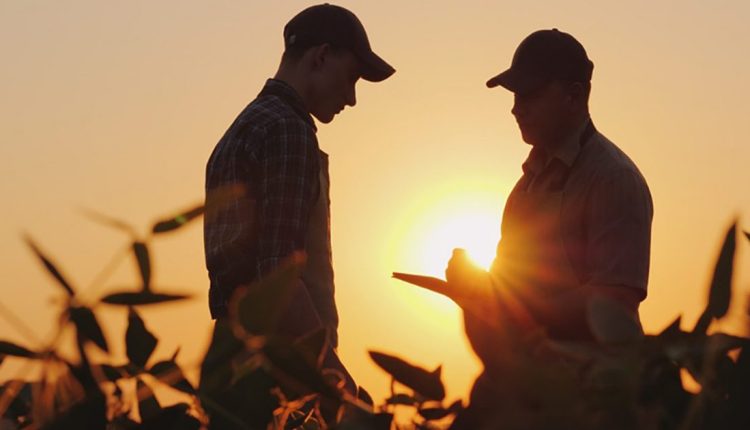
column 517, row 108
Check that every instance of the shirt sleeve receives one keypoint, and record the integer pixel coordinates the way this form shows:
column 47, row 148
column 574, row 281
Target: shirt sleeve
column 618, row 227
column 287, row 184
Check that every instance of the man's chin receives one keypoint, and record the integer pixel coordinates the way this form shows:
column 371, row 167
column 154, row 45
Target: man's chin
column 324, row 118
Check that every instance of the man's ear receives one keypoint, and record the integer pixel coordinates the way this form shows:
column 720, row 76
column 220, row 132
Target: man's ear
column 320, row 55
column 576, row 92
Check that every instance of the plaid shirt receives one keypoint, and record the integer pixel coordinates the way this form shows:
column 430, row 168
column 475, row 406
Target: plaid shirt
column 270, row 154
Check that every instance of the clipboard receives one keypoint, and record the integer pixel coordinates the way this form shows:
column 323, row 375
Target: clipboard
column 431, row 283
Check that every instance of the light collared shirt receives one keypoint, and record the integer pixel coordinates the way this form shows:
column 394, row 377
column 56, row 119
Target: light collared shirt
column 606, row 208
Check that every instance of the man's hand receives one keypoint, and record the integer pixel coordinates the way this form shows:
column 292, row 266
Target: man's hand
column 467, row 282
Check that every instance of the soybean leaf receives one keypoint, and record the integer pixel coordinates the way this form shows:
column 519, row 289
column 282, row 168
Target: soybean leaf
column 178, row 220
column 50, row 267
column 434, row 413
column 673, row 329
column 720, row 292
column 88, row 327
column 363, row 395
column 148, row 405
column 293, row 372
column 401, row 399
column 139, row 342
column 108, row 221
column 9, row 348
column 113, row 374
column 360, row 421
column 142, row 257
column 313, row 346
column 456, row 407
column 129, row 298
column 611, row 323
column 220, row 198
column 216, row 369
column 168, row 372
column 173, row 417
column 428, row 384
column 260, row 306
column 300, row 416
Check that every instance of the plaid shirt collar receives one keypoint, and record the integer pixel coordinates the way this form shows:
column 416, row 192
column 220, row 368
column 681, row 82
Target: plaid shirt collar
column 566, row 152
column 287, row 94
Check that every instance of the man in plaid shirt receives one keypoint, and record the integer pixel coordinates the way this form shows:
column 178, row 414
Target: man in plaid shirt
column 270, row 157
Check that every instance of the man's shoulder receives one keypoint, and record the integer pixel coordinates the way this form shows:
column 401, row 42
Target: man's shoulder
column 268, row 113
column 606, row 159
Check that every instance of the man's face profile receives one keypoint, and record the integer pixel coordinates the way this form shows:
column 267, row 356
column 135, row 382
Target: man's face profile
column 333, row 79
column 542, row 113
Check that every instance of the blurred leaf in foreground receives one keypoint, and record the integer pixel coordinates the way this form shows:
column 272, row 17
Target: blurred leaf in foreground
column 108, row 221
column 87, row 325
column 139, row 342
column 143, row 259
column 427, row 384
column 259, row 306
column 177, row 221
column 129, row 298
column 720, row 292
column 170, row 373
column 51, row 267
column 10, row 348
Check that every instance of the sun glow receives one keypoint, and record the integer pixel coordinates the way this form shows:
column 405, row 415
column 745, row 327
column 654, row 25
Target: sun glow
column 456, row 219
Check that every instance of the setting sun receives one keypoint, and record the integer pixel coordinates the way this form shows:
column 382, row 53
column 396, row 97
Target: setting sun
column 468, row 219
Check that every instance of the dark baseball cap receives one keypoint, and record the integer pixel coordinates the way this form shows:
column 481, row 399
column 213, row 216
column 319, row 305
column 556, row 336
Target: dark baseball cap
column 327, row 23
column 545, row 56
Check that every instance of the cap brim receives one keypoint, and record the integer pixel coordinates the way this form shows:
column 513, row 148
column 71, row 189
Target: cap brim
column 516, row 82
column 374, row 68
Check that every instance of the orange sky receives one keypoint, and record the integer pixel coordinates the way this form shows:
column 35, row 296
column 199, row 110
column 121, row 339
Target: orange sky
column 116, row 107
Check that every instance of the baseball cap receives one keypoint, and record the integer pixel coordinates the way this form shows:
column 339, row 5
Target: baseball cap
column 545, row 56
column 327, row 23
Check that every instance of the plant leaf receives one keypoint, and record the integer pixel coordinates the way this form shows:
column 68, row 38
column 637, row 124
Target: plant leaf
column 401, row 399
column 260, row 306
column 50, row 267
column 139, row 342
column 672, row 329
column 313, row 346
column 9, row 348
column 108, row 221
column 611, row 323
column 148, row 405
column 168, row 372
column 87, row 325
column 428, row 384
column 363, row 395
column 142, row 257
column 293, row 372
column 720, row 292
column 431, row 414
column 129, row 298
column 302, row 414
column 177, row 221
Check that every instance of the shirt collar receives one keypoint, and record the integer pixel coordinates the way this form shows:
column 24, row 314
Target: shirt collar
column 284, row 91
column 567, row 151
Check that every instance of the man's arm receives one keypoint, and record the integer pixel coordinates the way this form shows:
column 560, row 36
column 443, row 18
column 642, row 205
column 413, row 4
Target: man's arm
column 287, row 183
column 617, row 254
column 618, row 226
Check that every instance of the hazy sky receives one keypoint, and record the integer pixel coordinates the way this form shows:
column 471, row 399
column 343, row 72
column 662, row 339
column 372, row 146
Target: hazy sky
column 115, row 106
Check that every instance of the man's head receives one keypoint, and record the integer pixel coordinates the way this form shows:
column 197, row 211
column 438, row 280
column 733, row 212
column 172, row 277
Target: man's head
column 326, row 51
column 550, row 77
